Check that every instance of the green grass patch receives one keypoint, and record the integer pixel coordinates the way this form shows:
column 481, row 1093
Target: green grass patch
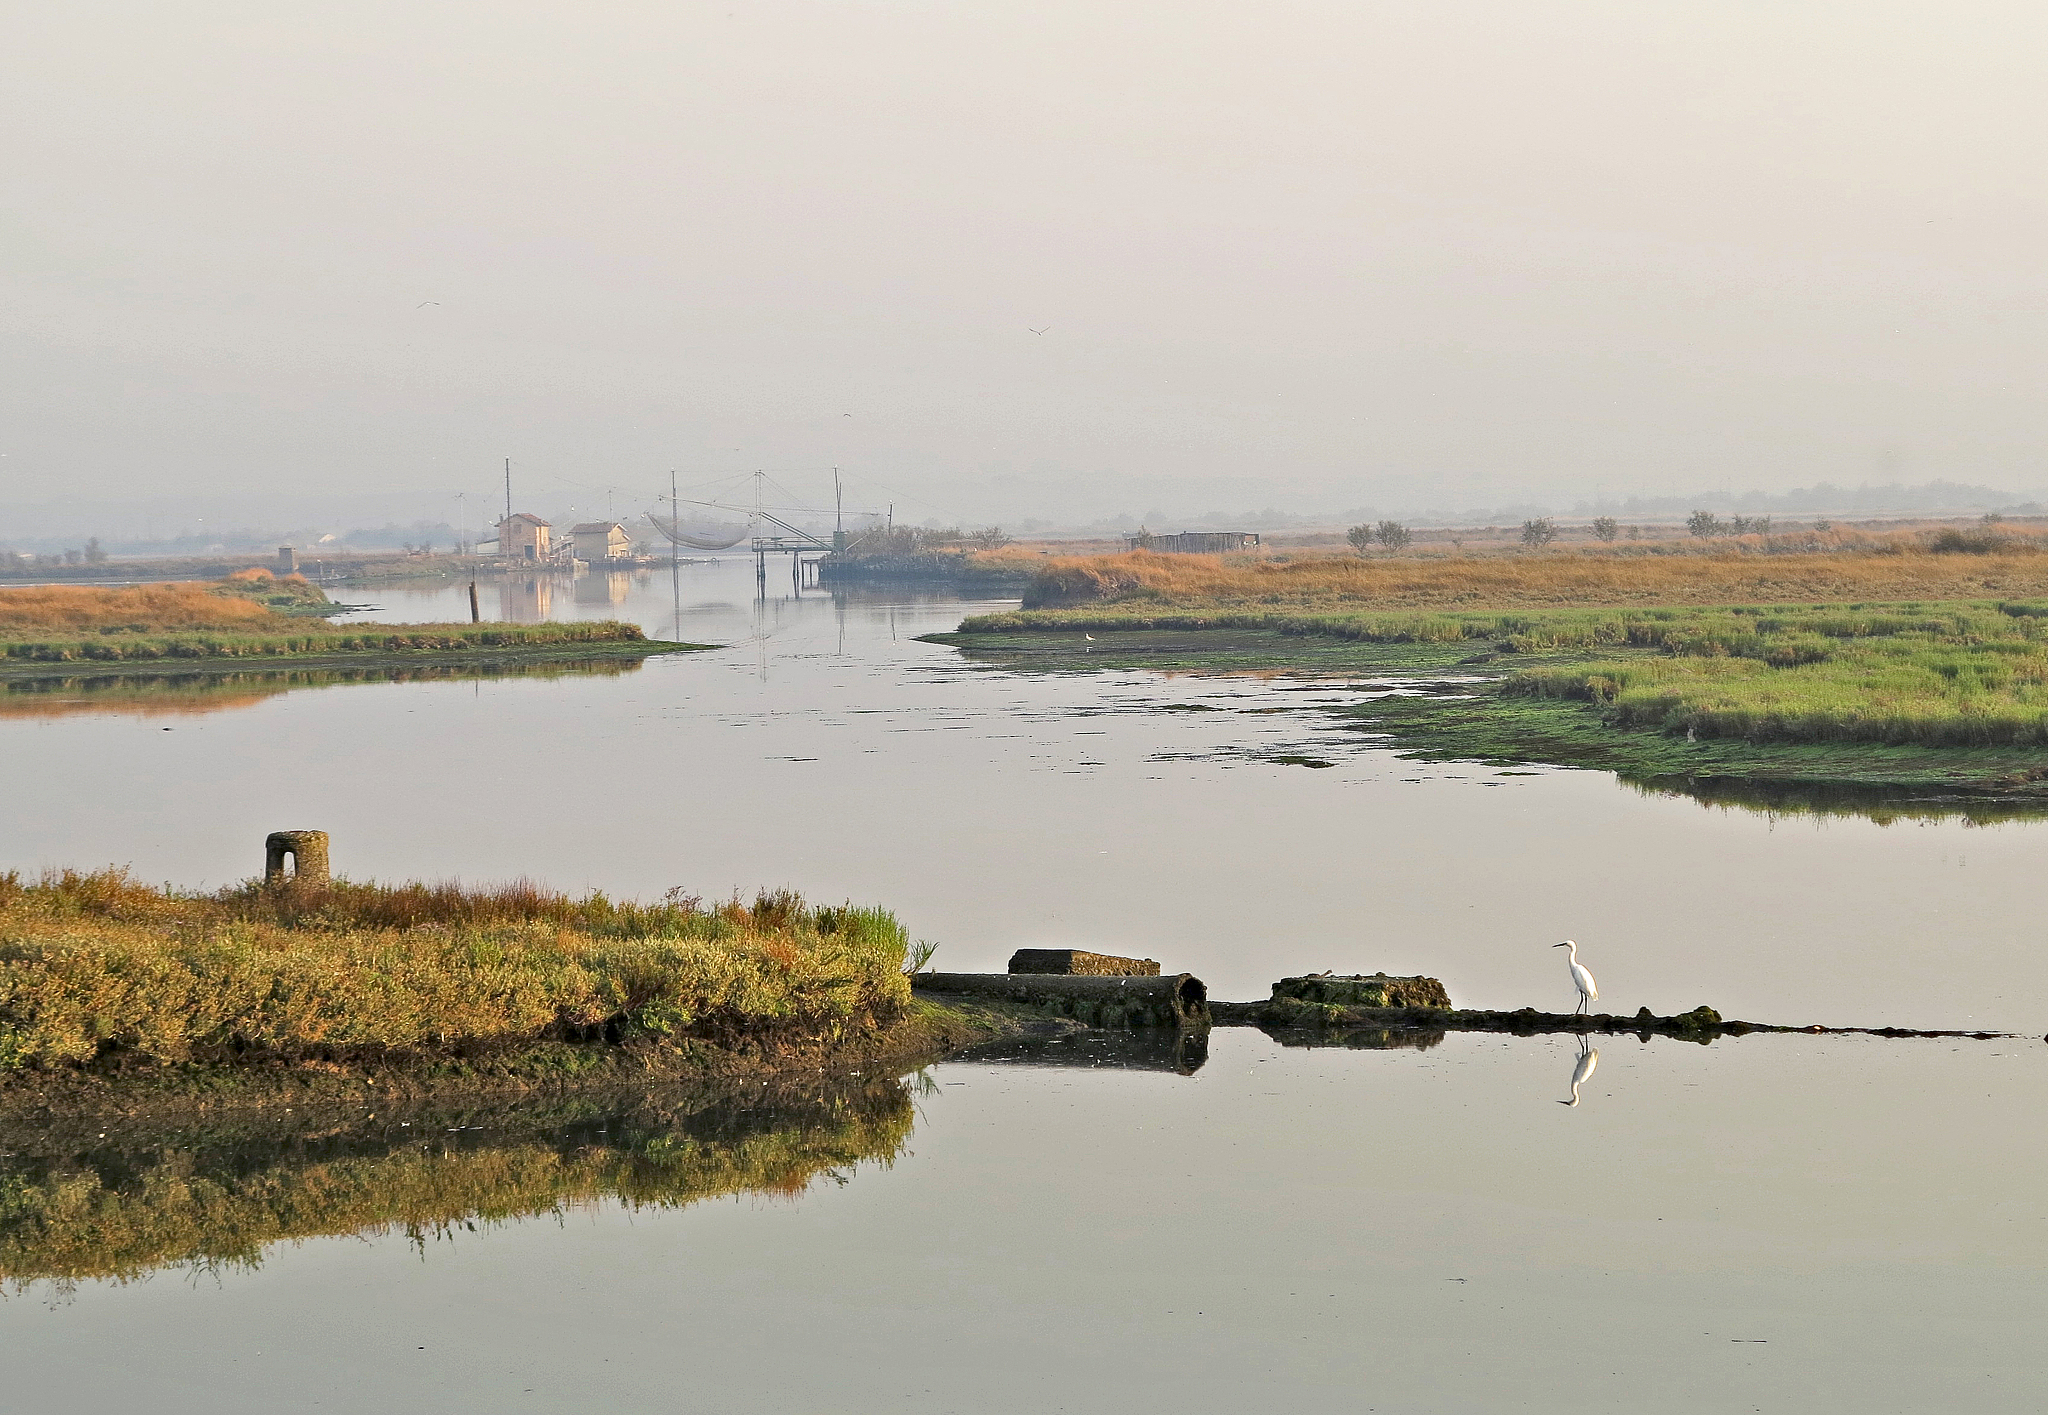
column 321, row 640
column 1949, row 696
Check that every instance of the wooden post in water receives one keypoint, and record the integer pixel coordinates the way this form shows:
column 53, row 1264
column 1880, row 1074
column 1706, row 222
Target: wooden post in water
column 474, row 616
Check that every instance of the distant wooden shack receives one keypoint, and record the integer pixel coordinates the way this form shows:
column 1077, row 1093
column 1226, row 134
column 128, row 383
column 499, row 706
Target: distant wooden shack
column 1195, row 542
column 525, row 537
column 598, row 541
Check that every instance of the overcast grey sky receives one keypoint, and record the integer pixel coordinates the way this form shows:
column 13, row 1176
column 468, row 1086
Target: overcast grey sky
column 1446, row 252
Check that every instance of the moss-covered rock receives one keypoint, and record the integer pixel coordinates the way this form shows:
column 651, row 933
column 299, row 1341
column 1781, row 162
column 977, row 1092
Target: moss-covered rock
column 1363, row 990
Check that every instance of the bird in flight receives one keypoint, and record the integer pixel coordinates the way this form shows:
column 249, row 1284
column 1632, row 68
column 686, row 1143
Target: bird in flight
column 424, row 303
column 1038, row 331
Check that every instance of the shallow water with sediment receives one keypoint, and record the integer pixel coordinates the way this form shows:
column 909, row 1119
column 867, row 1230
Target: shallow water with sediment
column 1765, row 1222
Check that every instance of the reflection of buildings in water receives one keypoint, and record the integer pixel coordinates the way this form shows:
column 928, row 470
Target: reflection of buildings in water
column 526, row 599
column 605, row 587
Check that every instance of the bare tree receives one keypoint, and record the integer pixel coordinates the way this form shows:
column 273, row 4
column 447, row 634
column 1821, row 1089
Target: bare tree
column 1361, row 538
column 1703, row 524
column 989, row 538
column 1606, row 528
column 1392, row 534
column 1538, row 533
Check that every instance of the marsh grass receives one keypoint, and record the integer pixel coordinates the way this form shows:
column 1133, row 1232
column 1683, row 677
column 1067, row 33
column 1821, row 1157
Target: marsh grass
column 1900, row 567
column 184, row 605
column 247, row 615
column 1927, row 675
column 97, row 968
column 1913, row 673
column 301, row 640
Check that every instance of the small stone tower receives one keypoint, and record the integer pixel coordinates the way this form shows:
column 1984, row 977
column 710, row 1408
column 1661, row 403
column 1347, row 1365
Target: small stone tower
column 308, row 849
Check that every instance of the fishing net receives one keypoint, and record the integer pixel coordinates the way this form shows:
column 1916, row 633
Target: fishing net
column 701, row 535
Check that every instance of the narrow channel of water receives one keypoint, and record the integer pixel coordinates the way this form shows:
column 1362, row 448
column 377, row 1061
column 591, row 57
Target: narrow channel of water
column 1780, row 1223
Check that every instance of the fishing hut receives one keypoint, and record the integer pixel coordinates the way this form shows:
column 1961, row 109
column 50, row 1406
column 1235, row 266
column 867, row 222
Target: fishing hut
column 1194, row 542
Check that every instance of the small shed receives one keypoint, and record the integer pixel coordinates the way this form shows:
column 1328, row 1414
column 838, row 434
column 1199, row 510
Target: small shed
column 525, row 537
column 1195, row 542
column 599, row 541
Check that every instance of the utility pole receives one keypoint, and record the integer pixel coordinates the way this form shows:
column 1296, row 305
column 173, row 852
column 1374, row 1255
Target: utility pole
column 838, row 515
column 508, row 488
column 674, row 524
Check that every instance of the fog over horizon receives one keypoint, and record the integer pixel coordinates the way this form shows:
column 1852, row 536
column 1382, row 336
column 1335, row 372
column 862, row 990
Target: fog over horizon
column 1059, row 263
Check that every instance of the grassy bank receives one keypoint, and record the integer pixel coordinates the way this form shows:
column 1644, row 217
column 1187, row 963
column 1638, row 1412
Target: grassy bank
column 98, row 971
column 251, row 616
column 326, row 641
column 1951, row 696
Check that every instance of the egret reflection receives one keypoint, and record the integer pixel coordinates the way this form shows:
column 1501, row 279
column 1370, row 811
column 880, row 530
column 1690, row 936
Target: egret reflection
column 1582, row 1068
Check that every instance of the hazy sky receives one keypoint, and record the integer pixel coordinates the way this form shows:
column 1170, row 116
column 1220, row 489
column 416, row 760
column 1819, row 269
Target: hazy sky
column 1346, row 253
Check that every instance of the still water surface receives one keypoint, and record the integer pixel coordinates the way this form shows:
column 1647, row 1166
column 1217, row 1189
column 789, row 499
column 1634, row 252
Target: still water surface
column 1783, row 1223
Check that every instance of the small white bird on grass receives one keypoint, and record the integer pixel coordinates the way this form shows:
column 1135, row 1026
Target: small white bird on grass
column 1589, row 991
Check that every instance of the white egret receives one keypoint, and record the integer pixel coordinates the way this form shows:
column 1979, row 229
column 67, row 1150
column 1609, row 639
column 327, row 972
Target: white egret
column 1589, row 1058
column 1589, row 991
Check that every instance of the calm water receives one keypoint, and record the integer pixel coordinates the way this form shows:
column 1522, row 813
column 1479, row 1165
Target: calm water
column 1780, row 1223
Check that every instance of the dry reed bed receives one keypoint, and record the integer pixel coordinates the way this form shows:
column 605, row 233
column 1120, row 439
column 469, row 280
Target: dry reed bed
column 1898, row 569
column 138, row 609
column 95, row 967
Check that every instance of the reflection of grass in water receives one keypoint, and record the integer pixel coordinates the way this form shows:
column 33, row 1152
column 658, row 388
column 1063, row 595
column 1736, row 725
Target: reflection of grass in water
column 1838, row 802
column 179, row 694
column 217, row 1201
